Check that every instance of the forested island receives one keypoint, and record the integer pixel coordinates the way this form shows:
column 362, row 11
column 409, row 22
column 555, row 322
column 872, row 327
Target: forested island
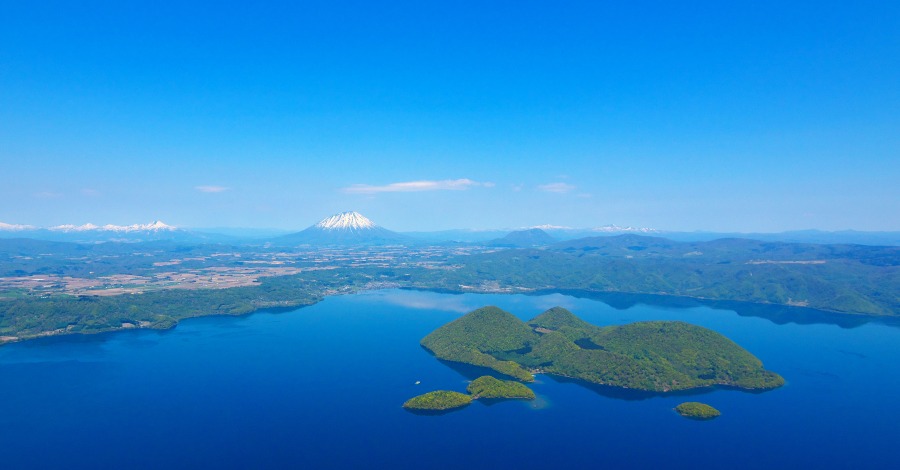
column 697, row 410
column 438, row 400
column 486, row 387
column 656, row 356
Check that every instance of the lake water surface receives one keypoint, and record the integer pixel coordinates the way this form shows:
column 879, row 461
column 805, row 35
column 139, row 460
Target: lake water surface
column 322, row 387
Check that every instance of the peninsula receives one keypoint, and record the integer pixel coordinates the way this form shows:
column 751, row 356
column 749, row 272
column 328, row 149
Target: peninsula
column 656, row 356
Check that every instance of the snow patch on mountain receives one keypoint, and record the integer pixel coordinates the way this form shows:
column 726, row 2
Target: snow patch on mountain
column 346, row 221
column 157, row 226
column 15, row 227
column 615, row 229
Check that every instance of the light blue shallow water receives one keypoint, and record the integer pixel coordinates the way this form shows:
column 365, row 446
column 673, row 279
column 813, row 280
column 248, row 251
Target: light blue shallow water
column 321, row 387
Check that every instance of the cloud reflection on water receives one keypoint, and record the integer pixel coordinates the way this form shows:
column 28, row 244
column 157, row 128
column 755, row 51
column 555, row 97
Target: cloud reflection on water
column 421, row 300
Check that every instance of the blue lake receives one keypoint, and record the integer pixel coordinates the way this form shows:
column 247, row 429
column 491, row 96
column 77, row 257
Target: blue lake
column 322, row 387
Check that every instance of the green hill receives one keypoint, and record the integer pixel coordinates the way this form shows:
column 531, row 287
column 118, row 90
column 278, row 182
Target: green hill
column 479, row 337
column 490, row 387
column 556, row 318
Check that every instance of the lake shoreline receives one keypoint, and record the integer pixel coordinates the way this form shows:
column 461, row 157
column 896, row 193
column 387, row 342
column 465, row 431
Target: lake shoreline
column 612, row 298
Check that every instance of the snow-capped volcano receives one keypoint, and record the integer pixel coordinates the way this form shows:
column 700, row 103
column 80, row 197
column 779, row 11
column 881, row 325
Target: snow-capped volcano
column 151, row 227
column 346, row 228
column 346, row 221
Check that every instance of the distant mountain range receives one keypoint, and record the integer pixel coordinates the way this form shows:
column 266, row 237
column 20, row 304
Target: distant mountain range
column 66, row 228
column 91, row 233
column 355, row 229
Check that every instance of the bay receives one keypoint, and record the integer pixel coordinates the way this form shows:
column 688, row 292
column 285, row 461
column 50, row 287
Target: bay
column 322, row 387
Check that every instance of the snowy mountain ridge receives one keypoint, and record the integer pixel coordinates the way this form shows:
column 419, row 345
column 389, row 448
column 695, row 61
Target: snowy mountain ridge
column 15, row 227
column 616, row 229
column 157, row 226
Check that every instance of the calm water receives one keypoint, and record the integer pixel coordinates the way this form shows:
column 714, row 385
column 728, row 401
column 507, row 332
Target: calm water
column 321, row 387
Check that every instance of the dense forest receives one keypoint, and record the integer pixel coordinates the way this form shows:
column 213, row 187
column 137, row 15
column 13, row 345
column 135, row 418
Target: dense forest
column 32, row 316
column 838, row 278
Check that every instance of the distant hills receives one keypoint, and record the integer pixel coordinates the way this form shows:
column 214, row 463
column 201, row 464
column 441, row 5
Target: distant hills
column 727, row 250
column 556, row 231
column 524, row 239
column 566, row 233
column 845, row 278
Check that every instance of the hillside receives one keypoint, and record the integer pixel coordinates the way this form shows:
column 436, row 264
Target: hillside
column 524, row 238
column 480, row 336
column 839, row 278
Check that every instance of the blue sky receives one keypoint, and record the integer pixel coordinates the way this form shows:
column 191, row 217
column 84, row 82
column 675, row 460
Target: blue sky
column 756, row 116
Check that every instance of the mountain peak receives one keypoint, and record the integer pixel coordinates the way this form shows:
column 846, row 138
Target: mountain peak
column 346, row 220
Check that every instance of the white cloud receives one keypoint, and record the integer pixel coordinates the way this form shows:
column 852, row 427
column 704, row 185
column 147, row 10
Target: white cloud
column 413, row 186
column 556, row 187
column 211, row 189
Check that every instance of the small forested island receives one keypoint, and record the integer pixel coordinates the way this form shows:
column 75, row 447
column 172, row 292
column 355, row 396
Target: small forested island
column 493, row 388
column 696, row 410
column 483, row 387
column 657, row 356
column 438, row 400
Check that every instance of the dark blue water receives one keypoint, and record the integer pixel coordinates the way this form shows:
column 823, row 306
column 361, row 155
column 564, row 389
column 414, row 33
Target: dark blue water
column 321, row 387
